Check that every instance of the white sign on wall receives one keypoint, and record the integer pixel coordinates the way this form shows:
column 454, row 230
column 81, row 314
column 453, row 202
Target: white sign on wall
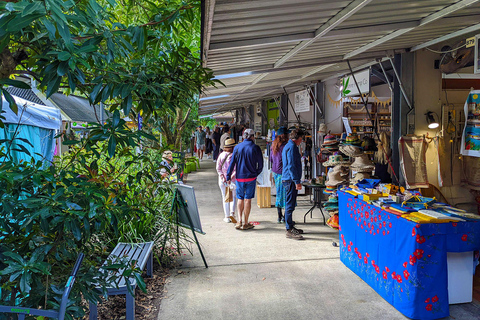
column 363, row 80
column 302, row 101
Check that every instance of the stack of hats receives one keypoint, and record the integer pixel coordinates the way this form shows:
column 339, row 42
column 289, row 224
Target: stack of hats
column 330, row 144
column 331, row 206
column 338, row 175
column 363, row 167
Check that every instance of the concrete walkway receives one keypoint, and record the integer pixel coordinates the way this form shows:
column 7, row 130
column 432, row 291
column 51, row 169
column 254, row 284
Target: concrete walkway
column 259, row 274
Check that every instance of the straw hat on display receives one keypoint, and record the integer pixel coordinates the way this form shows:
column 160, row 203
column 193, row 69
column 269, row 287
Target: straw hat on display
column 230, row 143
column 332, row 222
column 342, row 169
column 350, row 150
column 353, row 140
column 359, row 176
column 334, row 179
column 362, row 164
column 336, row 160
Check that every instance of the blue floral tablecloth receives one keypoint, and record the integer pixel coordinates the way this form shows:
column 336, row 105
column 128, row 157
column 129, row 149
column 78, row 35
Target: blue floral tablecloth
column 404, row 262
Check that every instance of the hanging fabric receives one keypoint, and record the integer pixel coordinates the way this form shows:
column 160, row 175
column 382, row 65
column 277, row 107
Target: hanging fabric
column 413, row 161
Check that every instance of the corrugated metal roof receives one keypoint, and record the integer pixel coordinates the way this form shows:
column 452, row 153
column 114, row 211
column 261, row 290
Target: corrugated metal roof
column 78, row 108
column 26, row 94
column 260, row 47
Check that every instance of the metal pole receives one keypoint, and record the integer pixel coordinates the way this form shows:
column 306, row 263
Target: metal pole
column 400, row 84
column 295, row 113
column 385, row 74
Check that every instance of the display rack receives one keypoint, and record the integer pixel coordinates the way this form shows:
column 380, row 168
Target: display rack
column 359, row 121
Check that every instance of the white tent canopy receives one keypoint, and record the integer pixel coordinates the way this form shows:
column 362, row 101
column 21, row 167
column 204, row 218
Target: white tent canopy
column 32, row 114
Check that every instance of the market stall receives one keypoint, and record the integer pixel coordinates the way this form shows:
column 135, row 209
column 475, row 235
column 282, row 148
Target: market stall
column 405, row 261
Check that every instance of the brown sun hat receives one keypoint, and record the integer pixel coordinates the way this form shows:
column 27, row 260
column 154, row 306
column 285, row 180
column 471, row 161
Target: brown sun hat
column 336, row 160
column 334, row 179
column 350, row 150
column 362, row 164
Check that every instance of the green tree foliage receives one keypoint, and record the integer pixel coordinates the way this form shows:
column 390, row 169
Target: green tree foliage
column 136, row 57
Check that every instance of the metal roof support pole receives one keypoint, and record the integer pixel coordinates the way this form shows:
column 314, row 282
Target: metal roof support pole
column 385, row 74
column 396, row 120
column 314, row 100
column 291, row 105
column 400, row 83
column 284, row 107
column 278, row 103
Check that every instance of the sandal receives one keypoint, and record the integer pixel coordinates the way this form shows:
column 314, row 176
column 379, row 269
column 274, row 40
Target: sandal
column 247, row 226
column 239, row 225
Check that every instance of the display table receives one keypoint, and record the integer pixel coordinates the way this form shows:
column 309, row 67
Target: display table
column 404, row 262
column 317, row 200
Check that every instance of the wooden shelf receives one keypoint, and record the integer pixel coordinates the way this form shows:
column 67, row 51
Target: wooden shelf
column 385, row 113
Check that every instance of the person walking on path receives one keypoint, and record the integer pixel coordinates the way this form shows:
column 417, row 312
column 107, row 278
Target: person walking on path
column 208, row 143
column 200, row 142
column 225, row 136
column 277, row 168
column 247, row 161
column 216, row 143
column 291, row 178
column 222, row 167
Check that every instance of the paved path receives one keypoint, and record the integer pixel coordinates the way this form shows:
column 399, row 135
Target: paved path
column 259, row 274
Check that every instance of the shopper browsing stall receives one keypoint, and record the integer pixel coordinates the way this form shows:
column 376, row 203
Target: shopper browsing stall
column 291, row 178
column 278, row 144
column 247, row 161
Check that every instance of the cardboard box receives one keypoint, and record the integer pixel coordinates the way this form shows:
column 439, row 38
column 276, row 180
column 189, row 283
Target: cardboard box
column 263, row 197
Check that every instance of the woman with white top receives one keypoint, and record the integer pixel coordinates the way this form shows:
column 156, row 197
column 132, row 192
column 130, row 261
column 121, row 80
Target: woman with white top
column 223, row 162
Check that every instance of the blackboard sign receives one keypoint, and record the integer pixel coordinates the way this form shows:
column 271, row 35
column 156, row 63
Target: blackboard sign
column 187, row 211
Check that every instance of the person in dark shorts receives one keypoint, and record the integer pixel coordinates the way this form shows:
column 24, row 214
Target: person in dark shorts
column 247, row 162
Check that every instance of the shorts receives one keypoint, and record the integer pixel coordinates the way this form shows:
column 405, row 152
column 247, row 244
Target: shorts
column 246, row 190
column 200, row 146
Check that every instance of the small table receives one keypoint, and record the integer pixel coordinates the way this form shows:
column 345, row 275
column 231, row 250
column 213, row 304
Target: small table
column 317, row 200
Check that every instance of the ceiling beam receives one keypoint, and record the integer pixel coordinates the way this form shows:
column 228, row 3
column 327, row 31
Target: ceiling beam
column 344, row 14
column 447, row 37
column 210, row 9
column 220, row 46
column 433, row 17
column 268, row 68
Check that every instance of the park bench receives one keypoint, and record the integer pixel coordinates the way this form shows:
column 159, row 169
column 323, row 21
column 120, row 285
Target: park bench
column 142, row 254
column 51, row 314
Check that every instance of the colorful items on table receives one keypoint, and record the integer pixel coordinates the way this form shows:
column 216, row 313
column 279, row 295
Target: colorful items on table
column 330, row 189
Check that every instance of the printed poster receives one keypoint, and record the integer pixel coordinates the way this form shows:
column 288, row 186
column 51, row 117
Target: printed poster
column 471, row 133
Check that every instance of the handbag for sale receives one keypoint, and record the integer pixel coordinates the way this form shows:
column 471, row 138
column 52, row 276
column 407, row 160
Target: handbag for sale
column 228, row 194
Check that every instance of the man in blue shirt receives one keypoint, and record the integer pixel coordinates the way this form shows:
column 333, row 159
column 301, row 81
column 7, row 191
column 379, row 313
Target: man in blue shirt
column 247, row 160
column 291, row 178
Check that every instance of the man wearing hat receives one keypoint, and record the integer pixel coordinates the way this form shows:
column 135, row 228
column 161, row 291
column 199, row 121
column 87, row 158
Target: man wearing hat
column 247, row 162
column 291, row 176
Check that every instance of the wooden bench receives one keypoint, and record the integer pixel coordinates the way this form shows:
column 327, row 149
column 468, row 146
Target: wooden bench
column 51, row 314
column 142, row 254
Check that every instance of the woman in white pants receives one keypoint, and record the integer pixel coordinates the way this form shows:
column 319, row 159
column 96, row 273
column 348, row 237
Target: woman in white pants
column 223, row 162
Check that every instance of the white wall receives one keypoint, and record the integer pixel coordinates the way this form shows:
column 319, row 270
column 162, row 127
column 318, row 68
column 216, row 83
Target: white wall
column 333, row 112
column 429, row 96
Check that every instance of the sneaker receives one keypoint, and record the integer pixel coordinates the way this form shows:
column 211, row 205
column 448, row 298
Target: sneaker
column 293, row 234
column 298, row 230
column 201, row 160
column 214, row 161
column 227, row 220
column 279, row 220
column 283, row 220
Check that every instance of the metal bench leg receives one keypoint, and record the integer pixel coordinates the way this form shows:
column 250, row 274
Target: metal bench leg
column 130, row 306
column 150, row 265
column 93, row 311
